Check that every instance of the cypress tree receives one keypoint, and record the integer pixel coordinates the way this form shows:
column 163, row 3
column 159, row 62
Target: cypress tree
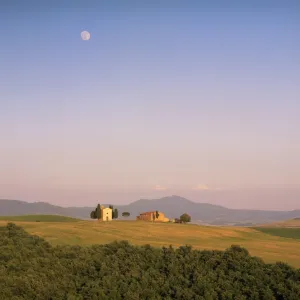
column 112, row 211
column 116, row 213
column 98, row 212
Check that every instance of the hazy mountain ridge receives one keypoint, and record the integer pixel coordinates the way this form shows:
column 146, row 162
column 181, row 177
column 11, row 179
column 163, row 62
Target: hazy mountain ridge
column 172, row 206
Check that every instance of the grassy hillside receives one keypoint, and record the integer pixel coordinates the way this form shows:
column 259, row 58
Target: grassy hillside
column 270, row 248
column 38, row 218
column 292, row 233
column 294, row 223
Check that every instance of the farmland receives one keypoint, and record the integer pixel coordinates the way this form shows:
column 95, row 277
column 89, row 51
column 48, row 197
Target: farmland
column 270, row 248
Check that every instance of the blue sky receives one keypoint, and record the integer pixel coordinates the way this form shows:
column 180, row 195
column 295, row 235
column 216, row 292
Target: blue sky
column 182, row 96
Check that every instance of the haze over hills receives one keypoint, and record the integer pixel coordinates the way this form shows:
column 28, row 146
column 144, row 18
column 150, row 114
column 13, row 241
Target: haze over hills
column 172, row 206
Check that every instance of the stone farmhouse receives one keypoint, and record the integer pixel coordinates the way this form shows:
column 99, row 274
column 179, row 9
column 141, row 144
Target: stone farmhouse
column 148, row 216
column 106, row 213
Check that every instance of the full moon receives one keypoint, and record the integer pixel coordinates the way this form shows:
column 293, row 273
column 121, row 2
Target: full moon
column 85, row 35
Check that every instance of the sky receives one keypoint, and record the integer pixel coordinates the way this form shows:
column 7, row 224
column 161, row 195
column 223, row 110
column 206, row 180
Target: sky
column 194, row 98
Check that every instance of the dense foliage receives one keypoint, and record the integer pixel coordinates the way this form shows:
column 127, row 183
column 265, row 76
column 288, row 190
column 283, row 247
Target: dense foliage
column 185, row 218
column 30, row 268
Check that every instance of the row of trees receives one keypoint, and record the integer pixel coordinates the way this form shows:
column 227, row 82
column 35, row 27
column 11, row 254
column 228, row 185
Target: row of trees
column 30, row 268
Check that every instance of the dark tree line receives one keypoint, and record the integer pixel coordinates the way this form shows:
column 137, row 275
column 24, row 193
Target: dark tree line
column 30, row 268
column 97, row 213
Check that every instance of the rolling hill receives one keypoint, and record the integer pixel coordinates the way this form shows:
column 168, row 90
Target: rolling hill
column 270, row 246
column 38, row 218
column 172, row 206
column 293, row 223
column 16, row 207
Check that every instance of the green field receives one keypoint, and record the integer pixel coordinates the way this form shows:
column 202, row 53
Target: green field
column 292, row 233
column 38, row 218
column 294, row 223
column 286, row 229
column 269, row 247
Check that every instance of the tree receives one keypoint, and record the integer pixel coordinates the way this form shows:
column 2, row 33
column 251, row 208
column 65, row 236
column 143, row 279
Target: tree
column 185, row 218
column 93, row 214
column 98, row 212
column 112, row 211
column 157, row 214
column 125, row 214
column 116, row 213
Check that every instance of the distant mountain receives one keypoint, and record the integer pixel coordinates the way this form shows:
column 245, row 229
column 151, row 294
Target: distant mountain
column 172, row 206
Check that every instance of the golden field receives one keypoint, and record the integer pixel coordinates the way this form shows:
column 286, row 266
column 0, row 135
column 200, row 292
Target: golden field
column 268, row 247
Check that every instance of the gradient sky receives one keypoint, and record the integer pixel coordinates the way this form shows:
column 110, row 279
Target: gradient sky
column 200, row 100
